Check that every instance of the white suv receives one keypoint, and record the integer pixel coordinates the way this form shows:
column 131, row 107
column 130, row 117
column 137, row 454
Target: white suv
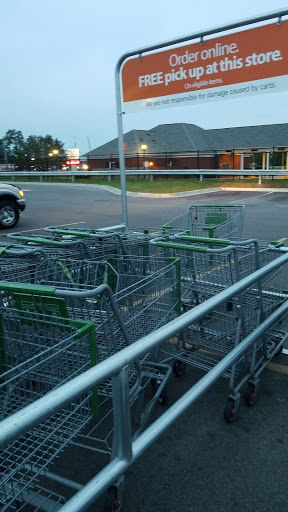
column 12, row 202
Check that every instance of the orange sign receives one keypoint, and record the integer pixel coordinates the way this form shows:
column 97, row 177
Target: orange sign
column 249, row 62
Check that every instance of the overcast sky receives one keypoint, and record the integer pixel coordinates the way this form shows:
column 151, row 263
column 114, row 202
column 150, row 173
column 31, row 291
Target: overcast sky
column 58, row 61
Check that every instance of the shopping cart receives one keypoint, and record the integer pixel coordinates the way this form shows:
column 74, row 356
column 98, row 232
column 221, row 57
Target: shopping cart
column 206, row 272
column 213, row 221
column 205, row 220
column 22, row 430
column 144, row 288
column 37, row 356
column 211, row 264
column 53, row 247
column 38, row 353
column 18, row 263
column 145, row 295
column 146, row 291
column 101, row 244
column 82, row 244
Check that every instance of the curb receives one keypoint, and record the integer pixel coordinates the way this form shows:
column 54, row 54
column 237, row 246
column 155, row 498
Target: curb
column 188, row 193
column 174, row 194
column 191, row 192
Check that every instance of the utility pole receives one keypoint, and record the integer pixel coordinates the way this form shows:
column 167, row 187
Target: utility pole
column 5, row 155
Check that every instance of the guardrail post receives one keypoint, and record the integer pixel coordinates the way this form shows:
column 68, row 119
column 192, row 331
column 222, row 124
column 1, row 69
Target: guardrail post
column 151, row 177
column 109, row 177
column 41, row 178
column 201, row 177
column 73, row 178
column 260, row 179
column 122, row 441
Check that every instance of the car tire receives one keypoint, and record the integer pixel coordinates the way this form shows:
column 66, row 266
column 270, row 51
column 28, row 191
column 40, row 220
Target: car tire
column 9, row 214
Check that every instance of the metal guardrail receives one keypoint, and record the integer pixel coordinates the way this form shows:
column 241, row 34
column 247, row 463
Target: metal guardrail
column 201, row 173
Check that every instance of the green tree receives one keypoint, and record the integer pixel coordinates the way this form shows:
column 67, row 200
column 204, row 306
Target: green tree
column 14, row 145
column 35, row 152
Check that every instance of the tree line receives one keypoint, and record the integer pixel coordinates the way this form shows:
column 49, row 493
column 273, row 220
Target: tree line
column 33, row 153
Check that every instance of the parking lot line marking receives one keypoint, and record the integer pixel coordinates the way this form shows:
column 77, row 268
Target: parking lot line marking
column 40, row 229
column 71, row 224
column 251, row 198
column 275, row 367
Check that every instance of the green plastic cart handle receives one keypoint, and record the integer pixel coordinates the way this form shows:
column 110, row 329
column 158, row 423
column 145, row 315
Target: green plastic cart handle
column 59, row 231
column 34, row 239
column 27, row 288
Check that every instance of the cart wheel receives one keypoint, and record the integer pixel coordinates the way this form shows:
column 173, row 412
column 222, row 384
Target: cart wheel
column 231, row 412
column 111, row 502
column 179, row 368
column 250, row 394
column 163, row 398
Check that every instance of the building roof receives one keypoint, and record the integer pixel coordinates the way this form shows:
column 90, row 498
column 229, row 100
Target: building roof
column 184, row 138
column 271, row 136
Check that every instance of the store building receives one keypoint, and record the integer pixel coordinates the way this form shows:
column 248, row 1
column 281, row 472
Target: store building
column 187, row 146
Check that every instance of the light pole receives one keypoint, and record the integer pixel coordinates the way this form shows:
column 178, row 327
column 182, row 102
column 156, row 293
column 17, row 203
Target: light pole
column 144, row 147
column 5, row 155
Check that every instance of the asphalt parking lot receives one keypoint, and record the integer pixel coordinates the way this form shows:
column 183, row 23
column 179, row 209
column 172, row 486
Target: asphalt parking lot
column 90, row 206
column 202, row 463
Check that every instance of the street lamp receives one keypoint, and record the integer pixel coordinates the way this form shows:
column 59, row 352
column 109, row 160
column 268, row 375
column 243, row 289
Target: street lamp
column 144, row 147
column 53, row 152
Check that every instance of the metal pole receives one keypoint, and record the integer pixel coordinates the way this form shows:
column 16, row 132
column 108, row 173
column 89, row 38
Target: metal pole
column 121, row 145
column 5, row 155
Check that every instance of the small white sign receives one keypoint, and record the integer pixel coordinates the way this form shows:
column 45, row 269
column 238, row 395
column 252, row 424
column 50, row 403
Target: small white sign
column 72, row 153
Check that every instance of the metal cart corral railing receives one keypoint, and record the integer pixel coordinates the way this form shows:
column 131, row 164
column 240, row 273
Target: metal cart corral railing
column 213, row 221
column 29, row 420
